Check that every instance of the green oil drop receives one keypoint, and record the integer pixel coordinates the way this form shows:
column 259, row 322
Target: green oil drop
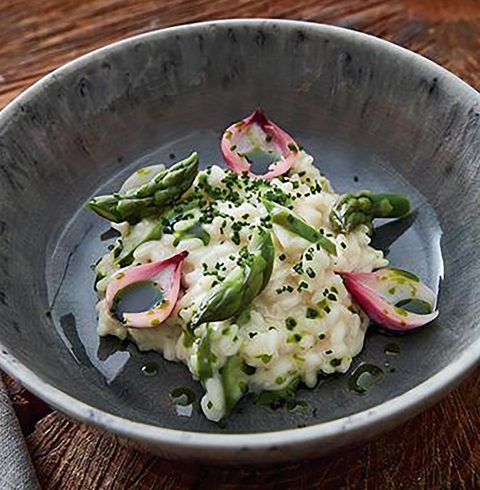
column 392, row 349
column 183, row 399
column 150, row 369
column 364, row 377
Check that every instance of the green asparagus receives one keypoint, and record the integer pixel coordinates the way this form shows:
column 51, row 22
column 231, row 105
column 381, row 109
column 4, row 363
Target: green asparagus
column 279, row 397
column 195, row 230
column 146, row 200
column 125, row 257
column 262, row 245
column 205, row 356
column 232, row 374
column 154, row 228
column 234, row 382
column 353, row 210
column 284, row 217
column 242, row 284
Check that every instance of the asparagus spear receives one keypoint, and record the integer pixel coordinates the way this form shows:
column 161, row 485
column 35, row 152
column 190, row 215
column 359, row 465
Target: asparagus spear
column 156, row 229
column 284, row 217
column 125, row 257
column 232, row 373
column 205, row 357
column 135, row 204
column 194, row 230
column 242, row 284
column 278, row 398
column 262, row 245
column 353, row 210
column 234, row 382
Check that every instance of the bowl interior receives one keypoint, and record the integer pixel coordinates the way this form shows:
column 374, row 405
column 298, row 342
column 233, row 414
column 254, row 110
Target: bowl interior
column 373, row 117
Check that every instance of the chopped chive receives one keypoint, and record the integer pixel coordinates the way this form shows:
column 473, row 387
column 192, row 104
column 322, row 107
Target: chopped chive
column 295, row 338
column 298, row 268
column 302, row 285
column 248, row 370
column 291, row 323
column 310, row 272
column 265, row 358
column 312, row 313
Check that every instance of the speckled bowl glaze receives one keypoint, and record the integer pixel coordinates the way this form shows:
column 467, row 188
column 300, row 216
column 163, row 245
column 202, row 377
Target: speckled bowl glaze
column 374, row 116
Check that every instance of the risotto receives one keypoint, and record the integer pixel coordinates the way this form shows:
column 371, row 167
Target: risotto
column 246, row 267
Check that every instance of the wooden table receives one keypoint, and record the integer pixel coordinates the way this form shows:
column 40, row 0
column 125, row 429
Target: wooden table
column 438, row 449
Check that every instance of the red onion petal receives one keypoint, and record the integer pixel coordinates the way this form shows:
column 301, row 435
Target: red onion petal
column 394, row 285
column 167, row 273
column 281, row 139
column 378, row 309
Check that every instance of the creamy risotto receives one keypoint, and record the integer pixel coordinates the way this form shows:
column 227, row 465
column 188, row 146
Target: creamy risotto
column 260, row 305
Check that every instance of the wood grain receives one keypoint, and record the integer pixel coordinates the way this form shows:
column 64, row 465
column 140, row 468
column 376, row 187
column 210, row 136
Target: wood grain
column 439, row 448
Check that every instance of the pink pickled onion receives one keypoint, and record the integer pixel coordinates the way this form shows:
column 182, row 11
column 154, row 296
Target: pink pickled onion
column 166, row 273
column 378, row 292
column 273, row 138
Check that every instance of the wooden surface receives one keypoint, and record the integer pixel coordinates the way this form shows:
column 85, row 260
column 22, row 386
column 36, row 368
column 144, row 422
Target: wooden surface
column 438, row 449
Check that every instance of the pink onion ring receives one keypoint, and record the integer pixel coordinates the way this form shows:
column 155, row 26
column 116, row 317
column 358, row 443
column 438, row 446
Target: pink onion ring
column 378, row 292
column 240, row 137
column 166, row 273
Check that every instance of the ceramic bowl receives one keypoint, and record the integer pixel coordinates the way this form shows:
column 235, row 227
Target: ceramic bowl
column 374, row 115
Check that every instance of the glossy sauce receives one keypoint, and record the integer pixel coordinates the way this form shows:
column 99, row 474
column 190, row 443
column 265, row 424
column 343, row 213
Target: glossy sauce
column 139, row 296
column 392, row 349
column 150, row 369
column 364, row 377
column 183, row 399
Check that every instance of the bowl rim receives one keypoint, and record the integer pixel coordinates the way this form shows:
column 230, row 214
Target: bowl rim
column 384, row 415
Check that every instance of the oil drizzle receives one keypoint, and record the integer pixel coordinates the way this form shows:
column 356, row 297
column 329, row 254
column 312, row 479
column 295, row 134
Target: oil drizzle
column 150, row 369
column 364, row 377
column 136, row 297
column 260, row 159
column 296, row 404
column 415, row 305
column 392, row 349
column 183, row 399
column 109, row 234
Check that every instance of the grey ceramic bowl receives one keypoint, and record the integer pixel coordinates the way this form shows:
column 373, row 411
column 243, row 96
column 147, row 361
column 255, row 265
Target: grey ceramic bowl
column 374, row 115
